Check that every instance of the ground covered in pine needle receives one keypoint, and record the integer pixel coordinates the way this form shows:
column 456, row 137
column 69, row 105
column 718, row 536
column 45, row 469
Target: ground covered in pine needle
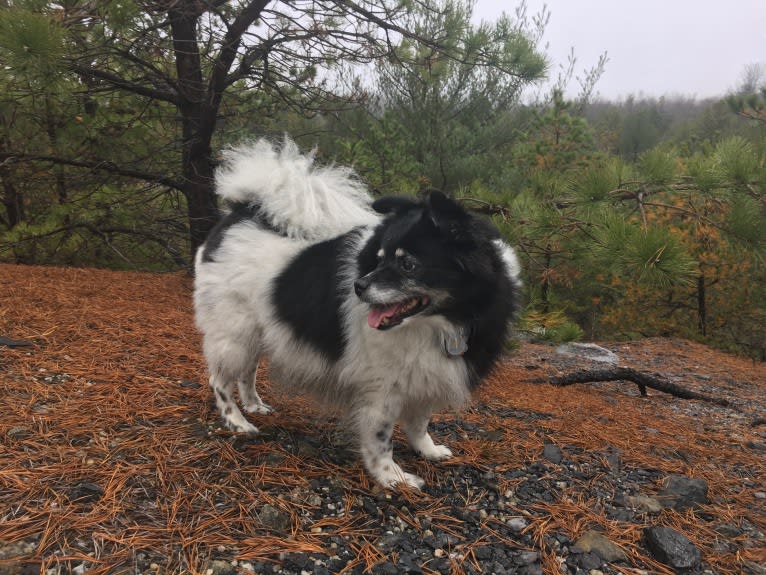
column 112, row 459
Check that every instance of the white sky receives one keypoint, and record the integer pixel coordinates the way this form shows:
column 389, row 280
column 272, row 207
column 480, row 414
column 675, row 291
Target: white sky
column 655, row 47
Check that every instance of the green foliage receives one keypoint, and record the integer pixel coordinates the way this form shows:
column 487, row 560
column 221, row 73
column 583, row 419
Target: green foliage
column 737, row 160
column 596, row 182
column 552, row 327
column 31, row 43
column 448, row 111
column 657, row 166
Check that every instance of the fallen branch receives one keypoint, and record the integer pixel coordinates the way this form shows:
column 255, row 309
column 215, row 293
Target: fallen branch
column 640, row 378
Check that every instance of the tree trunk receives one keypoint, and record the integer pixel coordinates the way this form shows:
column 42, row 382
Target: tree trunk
column 198, row 104
column 544, row 295
column 701, row 305
column 13, row 201
column 202, row 208
column 196, row 162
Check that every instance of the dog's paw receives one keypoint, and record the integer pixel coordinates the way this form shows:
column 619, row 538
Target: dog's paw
column 412, row 480
column 394, row 476
column 436, row 453
column 242, row 427
column 259, row 408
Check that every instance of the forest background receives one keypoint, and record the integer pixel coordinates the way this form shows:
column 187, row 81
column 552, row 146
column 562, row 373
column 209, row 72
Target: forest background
column 644, row 216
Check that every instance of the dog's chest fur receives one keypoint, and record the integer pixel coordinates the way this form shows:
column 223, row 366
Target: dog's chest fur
column 324, row 345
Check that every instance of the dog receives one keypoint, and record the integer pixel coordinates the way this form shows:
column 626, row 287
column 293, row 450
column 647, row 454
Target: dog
column 391, row 309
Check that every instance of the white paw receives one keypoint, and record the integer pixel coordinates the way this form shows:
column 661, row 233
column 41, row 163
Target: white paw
column 412, row 480
column 242, row 427
column 393, row 475
column 437, row 453
column 258, row 408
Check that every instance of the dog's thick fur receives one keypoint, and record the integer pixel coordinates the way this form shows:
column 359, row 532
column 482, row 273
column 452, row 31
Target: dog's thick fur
column 391, row 309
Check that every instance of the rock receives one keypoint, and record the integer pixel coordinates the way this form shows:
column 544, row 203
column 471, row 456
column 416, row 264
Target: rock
column 671, row 547
column 588, row 561
column 593, row 541
column 370, row 507
column 683, row 492
column 517, row 524
column 409, row 564
column 643, row 503
column 614, row 459
column 386, row 568
column 8, row 342
column 589, row 351
column 552, row 453
column 274, row 519
column 218, row 567
column 528, row 557
column 19, row 433
column 728, row 530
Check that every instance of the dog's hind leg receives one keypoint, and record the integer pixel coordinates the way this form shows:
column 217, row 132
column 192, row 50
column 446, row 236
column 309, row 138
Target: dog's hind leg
column 248, row 393
column 223, row 387
column 415, row 424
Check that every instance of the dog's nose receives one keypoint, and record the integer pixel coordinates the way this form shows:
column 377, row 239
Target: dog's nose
column 361, row 285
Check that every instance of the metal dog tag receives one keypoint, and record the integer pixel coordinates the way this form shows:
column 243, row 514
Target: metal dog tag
column 456, row 341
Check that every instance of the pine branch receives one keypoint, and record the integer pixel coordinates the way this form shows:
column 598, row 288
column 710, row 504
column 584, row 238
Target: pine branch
column 121, row 83
column 640, row 378
column 10, row 157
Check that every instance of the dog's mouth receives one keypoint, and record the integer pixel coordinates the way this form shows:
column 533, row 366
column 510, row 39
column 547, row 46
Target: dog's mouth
column 384, row 317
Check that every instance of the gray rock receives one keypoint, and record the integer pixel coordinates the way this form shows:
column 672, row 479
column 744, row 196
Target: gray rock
column 218, row 567
column 552, row 453
column 588, row 561
column 385, row 568
column 528, row 557
column 8, row 342
column 274, row 519
column 614, row 459
column 683, row 492
column 589, row 351
column 671, row 547
column 593, row 541
column 13, row 556
column 643, row 503
column 517, row 524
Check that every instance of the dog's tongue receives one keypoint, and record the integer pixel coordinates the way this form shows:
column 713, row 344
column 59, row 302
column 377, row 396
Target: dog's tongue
column 377, row 314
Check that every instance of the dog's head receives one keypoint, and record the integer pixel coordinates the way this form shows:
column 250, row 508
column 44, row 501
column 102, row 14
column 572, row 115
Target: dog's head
column 427, row 257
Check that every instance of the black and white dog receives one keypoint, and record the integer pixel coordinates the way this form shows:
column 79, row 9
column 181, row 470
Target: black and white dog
column 390, row 309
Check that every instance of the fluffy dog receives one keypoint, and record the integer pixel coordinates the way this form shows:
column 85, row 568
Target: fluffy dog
column 391, row 309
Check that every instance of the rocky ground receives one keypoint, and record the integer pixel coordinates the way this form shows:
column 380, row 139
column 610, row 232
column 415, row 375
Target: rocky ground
column 112, row 459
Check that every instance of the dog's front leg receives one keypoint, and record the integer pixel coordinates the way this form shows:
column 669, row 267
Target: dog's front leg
column 415, row 424
column 375, row 426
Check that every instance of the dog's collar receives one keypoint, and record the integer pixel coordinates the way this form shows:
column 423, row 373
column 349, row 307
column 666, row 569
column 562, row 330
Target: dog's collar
column 455, row 341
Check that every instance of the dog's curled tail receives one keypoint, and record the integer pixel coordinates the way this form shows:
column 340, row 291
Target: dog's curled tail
column 297, row 198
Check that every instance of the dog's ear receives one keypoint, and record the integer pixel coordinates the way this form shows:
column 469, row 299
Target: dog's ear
column 394, row 204
column 449, row 218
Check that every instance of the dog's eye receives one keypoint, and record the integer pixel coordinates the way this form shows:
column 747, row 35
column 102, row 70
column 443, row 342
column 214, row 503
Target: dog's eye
column 408, row 264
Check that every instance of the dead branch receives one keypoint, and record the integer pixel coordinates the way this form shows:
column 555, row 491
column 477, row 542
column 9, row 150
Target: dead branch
column 640, row 378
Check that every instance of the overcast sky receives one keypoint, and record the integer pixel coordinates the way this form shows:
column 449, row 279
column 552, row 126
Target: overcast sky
column 655, row 47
